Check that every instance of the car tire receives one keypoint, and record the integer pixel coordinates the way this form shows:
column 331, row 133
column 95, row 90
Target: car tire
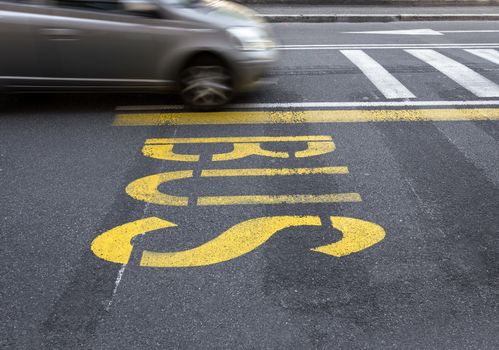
column 206, row 83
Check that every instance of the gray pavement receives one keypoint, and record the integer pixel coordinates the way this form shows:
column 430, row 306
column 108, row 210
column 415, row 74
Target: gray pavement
column 431, row 283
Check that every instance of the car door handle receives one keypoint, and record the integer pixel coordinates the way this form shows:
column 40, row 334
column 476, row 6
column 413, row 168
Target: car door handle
column 61, row 33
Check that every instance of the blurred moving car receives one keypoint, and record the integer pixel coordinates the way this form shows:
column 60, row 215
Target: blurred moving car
column 205, row 49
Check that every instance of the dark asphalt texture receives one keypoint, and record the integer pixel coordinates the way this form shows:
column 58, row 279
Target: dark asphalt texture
column 432, row 283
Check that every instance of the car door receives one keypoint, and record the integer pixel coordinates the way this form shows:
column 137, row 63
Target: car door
column 20, row 59
column 101, row 45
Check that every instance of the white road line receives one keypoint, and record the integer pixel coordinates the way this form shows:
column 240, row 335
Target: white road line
column 392, row 45
column 400, row 32
column 487, row 54
column 386, row 46
column 471, row 31
column 117, row 281
column 422, row 31
column 116, row 284
column 373, row 104
column 386, row 83
column 462, row 75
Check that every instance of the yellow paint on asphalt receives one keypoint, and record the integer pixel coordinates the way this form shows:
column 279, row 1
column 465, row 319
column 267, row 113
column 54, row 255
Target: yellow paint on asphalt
column 309, row 116
column 165, row 152
column 279, row 199
column 236, row 241
column 243, row 150
column 240, row 139
column 357, row 235
column 242, row 147
column 115, row 245
column 316, row 149
column 146, row 189
column 330, row 170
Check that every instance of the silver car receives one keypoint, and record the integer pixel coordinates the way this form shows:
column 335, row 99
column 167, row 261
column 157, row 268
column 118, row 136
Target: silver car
column 205, row 49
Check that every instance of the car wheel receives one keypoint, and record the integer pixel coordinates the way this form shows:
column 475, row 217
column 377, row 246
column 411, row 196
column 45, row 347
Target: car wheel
column 206, row 84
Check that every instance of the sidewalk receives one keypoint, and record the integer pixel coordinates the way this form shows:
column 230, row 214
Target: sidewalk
column 380, row 13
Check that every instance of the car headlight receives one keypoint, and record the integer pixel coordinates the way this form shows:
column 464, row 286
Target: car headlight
column 251, row 38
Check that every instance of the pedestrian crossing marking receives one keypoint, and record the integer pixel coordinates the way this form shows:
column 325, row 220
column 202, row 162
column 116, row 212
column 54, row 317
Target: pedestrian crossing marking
column 458, row 72
column 487, row 54
column 385, row 82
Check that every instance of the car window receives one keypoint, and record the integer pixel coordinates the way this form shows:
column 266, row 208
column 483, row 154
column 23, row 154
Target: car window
column 20, row 2
column 107, row 6
column 100, row 5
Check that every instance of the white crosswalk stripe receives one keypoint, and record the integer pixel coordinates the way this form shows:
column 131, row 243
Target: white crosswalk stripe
column 487, row 54
column 385, row 82
column 462, row 75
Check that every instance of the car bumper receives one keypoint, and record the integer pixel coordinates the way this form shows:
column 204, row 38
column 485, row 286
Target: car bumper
column 251, row 70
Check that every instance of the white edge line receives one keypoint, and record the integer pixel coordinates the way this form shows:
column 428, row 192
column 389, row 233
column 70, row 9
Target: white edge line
column 323, row 105
column 471, row 31
column 384, row 47
column 493, row 15
column 116, row 284
column 391, row 45
column 124, row 266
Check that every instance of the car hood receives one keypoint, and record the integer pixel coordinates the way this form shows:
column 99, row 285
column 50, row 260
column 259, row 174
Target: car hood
column 221, row 13
column 230, row 10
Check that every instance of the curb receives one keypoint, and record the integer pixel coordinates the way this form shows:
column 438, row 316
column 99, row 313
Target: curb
column 318, row 18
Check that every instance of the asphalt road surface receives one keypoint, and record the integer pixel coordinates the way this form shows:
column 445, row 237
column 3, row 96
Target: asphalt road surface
column 354, row 204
